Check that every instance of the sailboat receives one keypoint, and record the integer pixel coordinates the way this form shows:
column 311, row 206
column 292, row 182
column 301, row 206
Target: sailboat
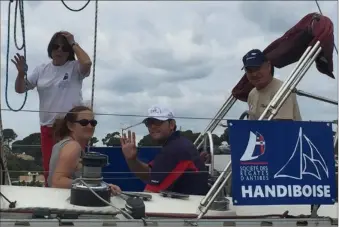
column 255, row 147
column 308, row 161
column 185, row 212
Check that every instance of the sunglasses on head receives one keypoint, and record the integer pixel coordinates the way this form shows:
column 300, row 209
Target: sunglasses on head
column 85, row 122
column 57, row 46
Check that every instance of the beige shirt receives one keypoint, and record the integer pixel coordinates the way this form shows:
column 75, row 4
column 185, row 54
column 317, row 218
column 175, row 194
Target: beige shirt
column 258, row 100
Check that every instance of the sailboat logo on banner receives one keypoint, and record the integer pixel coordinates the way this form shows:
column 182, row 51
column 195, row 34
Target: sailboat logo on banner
column 309, row 158
column 255, row 147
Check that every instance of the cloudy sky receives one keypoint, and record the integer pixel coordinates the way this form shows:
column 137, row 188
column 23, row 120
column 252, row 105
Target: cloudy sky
column 186, row 55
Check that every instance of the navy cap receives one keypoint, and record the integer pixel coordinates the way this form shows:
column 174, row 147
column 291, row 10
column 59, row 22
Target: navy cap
column 254, row 58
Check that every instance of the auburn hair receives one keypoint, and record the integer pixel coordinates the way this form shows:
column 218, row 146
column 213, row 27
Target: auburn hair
column 60, row 126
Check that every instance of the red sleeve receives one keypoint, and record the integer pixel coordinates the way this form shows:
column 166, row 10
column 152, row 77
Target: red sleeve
column 164, row 174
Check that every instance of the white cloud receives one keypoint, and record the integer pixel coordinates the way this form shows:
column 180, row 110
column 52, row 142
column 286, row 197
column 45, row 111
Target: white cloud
column 185, row 54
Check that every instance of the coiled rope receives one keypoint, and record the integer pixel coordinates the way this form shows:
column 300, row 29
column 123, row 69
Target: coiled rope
column 18, row 4
column 75, row 10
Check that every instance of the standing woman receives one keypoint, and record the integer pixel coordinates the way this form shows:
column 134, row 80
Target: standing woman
column 58, row 82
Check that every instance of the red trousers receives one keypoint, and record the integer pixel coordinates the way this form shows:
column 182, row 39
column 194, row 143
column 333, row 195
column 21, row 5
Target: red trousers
column 47, row 143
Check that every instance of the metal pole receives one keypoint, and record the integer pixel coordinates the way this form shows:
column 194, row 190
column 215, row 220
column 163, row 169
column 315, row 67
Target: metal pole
column 209, row 136
column 292, row 75
column 211, row 192
column 303, row 65
column 209, row 203
column 219, row 113
column 316, row 97
column 274, row 111
column 305, row 57
column 216, row 120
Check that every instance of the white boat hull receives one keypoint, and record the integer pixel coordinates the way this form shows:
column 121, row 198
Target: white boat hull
column 51, row 198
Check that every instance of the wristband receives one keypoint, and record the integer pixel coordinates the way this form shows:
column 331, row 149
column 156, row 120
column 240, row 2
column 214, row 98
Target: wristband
column 73, row 44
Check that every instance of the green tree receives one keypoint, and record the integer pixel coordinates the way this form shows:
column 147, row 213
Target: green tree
column 17, row 166
column 93, row 141
column 9, row 135
column 112, row 139
column 30, row 145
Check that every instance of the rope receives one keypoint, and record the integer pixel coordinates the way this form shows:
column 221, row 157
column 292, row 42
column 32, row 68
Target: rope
column 75, row 10
column 126, row 214
column 316, row 2
column 95, row 40
column 82, row 181
column 20, row 4
column 95, row 51
column 95, row 43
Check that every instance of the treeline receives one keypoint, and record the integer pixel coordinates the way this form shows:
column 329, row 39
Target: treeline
column 30, row 146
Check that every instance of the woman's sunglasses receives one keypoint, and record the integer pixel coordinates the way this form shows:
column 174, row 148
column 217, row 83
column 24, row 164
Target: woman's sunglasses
column 57, row 46
column 85, row 122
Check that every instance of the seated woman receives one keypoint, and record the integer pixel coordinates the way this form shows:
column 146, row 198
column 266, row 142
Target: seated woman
column 72, row 134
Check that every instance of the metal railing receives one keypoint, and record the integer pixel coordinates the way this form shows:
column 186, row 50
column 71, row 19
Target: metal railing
column 271, row 110
column 208, row 137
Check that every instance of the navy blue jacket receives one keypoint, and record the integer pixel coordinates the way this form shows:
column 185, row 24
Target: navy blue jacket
column 178, row 168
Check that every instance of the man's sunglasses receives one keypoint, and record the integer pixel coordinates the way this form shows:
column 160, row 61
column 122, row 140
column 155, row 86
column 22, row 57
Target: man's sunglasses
column 85, row 122
column 57, row 46
column 156, row 122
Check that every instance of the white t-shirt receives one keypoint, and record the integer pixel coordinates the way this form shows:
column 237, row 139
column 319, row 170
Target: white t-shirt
column 59, row 88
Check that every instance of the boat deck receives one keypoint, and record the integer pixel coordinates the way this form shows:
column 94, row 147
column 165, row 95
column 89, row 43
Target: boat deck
column 158, row 206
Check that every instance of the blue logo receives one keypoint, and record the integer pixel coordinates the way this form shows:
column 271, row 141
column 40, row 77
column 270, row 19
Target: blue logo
column 282, row 162
column 65, row 77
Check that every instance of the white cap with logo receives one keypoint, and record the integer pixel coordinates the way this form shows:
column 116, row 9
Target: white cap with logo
column 160, row 113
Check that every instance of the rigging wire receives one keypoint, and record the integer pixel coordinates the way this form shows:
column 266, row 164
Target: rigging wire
column 94, row 60
column 320, row 11
column 94, row 51
column 18, row 4
column 127, row 115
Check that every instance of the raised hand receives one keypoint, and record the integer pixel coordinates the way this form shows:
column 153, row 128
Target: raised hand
column 128, row 145
column 20, row 63
column 68, row 36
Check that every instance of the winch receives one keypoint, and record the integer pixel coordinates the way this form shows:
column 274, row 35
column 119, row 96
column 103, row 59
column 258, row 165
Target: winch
column 135, row 206
column 91, row 180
